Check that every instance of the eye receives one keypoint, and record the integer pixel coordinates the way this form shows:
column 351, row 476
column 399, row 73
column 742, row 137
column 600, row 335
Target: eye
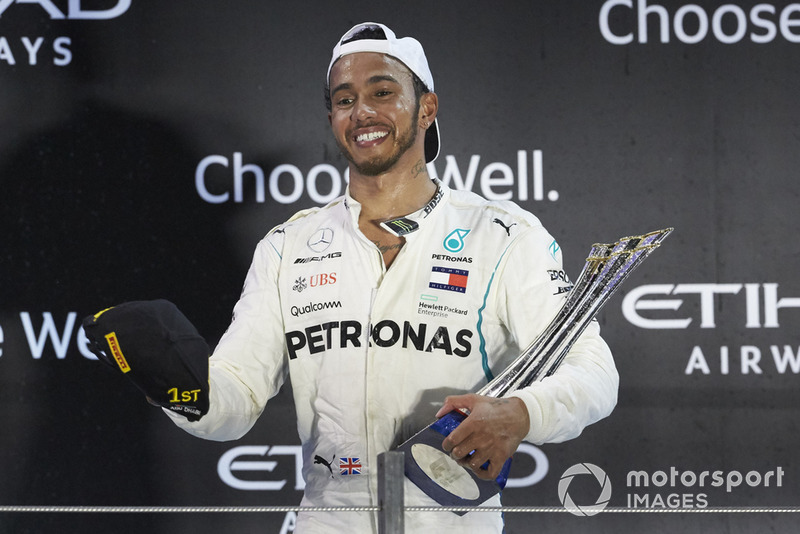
column 344, row 101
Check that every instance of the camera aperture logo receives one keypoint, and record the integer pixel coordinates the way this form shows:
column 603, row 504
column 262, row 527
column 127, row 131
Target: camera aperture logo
column 584, row 469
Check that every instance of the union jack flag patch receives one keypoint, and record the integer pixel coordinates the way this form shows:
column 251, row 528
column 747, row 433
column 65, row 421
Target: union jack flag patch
column 349, row 466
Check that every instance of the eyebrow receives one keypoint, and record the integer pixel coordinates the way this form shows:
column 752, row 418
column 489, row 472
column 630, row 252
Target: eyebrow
column 372, row 80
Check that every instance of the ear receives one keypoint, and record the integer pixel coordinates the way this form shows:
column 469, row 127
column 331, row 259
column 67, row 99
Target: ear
column 330, row 120
column 428, row 108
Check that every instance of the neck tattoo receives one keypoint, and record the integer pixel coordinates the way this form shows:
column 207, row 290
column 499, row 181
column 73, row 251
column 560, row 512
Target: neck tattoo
column 386, row 248
column 419, row 168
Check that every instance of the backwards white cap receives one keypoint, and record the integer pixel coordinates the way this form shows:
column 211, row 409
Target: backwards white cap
column 407, row 50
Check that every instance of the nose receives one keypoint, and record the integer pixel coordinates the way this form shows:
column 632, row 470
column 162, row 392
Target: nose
column 361, row 111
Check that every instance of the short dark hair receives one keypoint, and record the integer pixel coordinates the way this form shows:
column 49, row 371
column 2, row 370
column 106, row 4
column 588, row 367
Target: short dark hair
column 375, row 32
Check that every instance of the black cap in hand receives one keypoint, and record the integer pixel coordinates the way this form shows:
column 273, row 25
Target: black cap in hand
column 154, row 345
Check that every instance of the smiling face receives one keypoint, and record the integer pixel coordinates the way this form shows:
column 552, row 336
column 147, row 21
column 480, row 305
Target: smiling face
column 374, row 112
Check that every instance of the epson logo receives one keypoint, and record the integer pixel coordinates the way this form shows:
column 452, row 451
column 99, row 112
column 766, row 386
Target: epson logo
column 641, row 299
column 75, row 9
column 521, row 180
column 690, row 24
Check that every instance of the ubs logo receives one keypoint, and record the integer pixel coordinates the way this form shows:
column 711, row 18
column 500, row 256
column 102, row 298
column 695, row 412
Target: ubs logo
column 322, row 279
column 300, row 284
column 320, row 240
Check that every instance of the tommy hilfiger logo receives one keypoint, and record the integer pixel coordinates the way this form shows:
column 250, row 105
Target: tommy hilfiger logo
column 449, row 279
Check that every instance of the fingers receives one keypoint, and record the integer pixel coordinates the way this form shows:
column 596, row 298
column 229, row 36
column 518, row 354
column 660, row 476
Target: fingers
column 491, row 432
column 459, row 449
column 456, row 402
column 445, row 409
column 483, row 466
column 474, row 453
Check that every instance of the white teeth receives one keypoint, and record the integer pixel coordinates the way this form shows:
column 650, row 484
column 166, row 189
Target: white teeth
column 371, row 136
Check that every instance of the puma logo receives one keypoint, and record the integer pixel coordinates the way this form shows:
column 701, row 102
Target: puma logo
column 506, row 228
column 320, row 460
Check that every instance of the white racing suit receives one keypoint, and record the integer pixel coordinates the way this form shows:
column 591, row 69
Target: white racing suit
column 372, row 352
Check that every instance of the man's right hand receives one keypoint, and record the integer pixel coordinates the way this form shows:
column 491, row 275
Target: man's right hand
column 158, row 349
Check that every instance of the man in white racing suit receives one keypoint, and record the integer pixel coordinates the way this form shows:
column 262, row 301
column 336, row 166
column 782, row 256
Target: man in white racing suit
column 386, row 307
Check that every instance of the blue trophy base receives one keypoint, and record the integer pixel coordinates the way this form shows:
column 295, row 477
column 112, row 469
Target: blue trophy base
column 433, row 471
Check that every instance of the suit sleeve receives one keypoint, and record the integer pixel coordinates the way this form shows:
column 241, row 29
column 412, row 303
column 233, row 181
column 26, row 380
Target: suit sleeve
column 248, row 366
column 584, row 388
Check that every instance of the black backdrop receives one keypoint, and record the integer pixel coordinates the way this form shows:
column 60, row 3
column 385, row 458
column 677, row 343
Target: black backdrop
column 127, row 127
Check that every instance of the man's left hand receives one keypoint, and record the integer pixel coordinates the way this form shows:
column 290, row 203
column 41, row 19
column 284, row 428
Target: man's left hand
column 493, row 430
